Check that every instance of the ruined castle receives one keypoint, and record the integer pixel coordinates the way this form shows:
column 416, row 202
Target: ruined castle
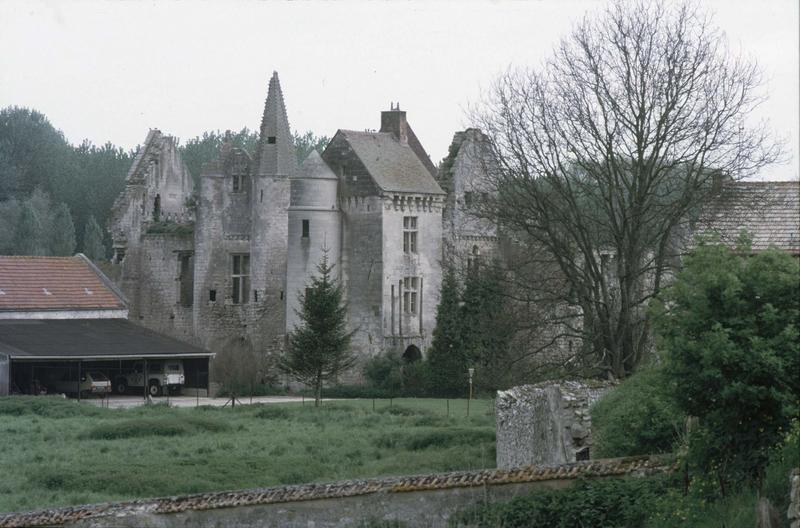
column 223, row 265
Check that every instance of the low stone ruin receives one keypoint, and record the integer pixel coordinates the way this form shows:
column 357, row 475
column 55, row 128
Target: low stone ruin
column 547, row 423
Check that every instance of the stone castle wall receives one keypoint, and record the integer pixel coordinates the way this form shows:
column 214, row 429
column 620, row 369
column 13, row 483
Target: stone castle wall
column 546, row 423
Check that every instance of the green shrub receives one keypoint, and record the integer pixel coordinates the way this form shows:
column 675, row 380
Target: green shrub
column 783, row 459
column 608, row 503
column 383, row 372
column 637, row 418
column 272, row 412
column 45, row 406
column 139, row 427
column 399, row 410
column 437, row 438
column 355, row 391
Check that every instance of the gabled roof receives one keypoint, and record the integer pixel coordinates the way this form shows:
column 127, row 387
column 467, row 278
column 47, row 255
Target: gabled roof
column 88, row 338
column 768, row 211
column 55, row 283
column 395, row 167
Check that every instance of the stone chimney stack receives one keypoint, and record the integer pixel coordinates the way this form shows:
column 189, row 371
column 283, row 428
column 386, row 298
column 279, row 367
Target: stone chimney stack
column 394, row 122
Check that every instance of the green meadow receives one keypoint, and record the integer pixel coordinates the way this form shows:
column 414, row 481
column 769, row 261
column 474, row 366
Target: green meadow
column 56, row 452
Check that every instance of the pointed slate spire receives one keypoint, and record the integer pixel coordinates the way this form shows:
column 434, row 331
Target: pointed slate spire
column 276, row 155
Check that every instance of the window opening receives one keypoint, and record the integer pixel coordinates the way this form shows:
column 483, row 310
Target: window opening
column 186, row 279
column 212, row 295
column 409, row 234
column 306, row 228
column 410, row 292
column 240, row 277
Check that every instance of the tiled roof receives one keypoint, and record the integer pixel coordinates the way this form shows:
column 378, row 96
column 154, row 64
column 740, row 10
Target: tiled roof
column 769, row 211
column 54, row 283
column 350, row 488
column 393, row 165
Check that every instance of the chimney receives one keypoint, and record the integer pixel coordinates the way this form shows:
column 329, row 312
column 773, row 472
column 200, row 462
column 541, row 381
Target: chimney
column 394, row 122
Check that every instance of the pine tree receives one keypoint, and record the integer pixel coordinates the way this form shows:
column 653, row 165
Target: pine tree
column 62, row 234
column 319, row 349
column 28, row 234
column 93, row 240
column 446, row 358
column 486, row 327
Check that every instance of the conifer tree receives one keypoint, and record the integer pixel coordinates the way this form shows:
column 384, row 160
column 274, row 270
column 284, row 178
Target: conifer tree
column 62, row 234
column 319, row 349
column 93, row 240
column 28, row 234
column 486, row 326
column 446, row 358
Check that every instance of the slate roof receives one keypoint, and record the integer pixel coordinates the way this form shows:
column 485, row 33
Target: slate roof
column 395, row 167
column 315, row 167
column 769, row 211
column 55, row 283
column 87, row 338
column 350, row 488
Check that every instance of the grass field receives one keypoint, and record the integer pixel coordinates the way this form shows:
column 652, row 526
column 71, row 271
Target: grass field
column 55, row 452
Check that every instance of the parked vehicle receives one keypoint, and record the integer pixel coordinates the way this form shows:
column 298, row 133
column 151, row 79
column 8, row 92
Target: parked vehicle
column 162, row 376
column 92, row 382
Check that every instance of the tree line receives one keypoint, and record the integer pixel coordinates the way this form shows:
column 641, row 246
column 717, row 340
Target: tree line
column 56, row 197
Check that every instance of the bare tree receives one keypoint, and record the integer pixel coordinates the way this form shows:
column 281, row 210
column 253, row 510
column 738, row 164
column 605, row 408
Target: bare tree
column 600, row 157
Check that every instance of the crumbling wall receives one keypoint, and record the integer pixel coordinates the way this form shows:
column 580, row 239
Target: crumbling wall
column 414, row 501
column 547, row 423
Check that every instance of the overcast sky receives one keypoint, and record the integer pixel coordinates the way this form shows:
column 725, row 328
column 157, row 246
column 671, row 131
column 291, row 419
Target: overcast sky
column 109, row 71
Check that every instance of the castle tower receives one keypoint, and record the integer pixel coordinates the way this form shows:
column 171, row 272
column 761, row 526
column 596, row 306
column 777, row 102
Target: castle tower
column 314, row 228
column 275, row 162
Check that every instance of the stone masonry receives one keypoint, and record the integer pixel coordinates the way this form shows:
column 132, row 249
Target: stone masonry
column 223, row 265
column 546, row 423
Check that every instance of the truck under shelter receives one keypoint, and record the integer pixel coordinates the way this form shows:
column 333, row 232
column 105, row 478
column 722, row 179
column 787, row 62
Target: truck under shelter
column 61, row 318
column 35, row 350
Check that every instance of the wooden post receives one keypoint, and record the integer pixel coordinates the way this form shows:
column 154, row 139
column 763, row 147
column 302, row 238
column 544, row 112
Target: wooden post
column 79, row 380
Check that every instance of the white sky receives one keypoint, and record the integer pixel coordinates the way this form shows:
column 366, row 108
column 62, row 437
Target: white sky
column 112, row 70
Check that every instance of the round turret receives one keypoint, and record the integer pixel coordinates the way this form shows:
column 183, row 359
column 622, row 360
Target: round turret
column 315, row 229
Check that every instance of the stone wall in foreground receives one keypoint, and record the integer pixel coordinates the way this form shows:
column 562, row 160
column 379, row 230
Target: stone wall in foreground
column 416, row 501
column 546, row 423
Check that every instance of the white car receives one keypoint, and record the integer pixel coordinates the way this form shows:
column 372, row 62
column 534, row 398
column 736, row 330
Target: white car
column 162, row 376
column 92, row 382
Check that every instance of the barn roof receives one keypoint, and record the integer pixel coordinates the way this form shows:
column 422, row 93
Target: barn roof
column 55, row 283
column 768, row 211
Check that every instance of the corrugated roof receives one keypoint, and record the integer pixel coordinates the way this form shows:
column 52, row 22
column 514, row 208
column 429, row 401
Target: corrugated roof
column 86, row 338
column 54, row 283
column 395, row 167
column 768, row 211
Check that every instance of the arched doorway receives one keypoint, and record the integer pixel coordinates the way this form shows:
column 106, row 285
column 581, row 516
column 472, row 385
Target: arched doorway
column 412, row 354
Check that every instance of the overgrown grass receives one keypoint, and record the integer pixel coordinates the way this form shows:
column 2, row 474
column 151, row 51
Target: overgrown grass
column 56, row 452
